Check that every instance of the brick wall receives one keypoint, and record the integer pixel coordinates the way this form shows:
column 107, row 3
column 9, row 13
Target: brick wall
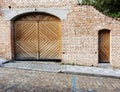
column 37, row 3
column 79, row 31
column 80, row 39
column 5, row 39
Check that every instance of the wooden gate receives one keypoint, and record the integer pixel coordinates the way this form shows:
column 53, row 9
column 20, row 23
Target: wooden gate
column 104, row 46
column 38, row 37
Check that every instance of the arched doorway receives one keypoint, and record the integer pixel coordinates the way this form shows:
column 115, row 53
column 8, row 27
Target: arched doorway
column 104, row 46
column 37, row 36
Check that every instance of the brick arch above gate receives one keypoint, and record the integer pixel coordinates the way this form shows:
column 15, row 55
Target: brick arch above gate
column 10, row 14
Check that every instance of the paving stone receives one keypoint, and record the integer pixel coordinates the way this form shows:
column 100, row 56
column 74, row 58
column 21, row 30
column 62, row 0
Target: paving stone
column 19, row 80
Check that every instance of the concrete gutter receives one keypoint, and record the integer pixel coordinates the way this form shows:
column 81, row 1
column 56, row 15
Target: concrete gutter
column 92, row 71
column 71, row 69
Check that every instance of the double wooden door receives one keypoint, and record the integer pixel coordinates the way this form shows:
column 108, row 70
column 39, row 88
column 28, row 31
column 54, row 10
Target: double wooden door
column 36, row 40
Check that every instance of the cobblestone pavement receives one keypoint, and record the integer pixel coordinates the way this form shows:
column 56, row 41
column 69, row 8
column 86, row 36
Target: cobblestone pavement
column 17, row 80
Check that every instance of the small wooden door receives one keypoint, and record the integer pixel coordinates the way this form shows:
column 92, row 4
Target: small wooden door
column 104, row 46
column 38, row 37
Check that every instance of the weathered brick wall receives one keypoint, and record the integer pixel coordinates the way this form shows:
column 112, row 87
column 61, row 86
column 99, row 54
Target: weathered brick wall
column 115, row 44
column 81, row 36
column 79, row 31
column 37, row 3
column 5, row 39
column 80, row 40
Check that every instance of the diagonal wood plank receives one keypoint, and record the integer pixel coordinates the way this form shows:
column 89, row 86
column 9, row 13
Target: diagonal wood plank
column 38, row 17
column 26, row 40
column 50, row 40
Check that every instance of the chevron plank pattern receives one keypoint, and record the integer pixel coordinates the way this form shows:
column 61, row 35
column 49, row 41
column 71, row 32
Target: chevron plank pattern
column 25, row 40
column 50, row 40
column 104, row 46
column 38, row 17
column 37, row 37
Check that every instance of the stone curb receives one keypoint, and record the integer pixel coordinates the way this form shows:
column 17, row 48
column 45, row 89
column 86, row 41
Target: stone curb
column 68, row 69
column 90, row 74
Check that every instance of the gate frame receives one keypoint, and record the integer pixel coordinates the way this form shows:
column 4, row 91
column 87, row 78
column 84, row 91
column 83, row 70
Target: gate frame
column 13, row 36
